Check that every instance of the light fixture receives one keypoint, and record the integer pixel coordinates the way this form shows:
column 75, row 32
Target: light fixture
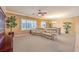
column 40, row 13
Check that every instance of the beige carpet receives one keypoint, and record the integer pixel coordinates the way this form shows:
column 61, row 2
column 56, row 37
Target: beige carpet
column 32, row 43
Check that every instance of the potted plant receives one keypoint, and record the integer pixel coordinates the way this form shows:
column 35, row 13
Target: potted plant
column 67, row 26
column 11, row 23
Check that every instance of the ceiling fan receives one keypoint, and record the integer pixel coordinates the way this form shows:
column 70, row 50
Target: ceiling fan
column 40, row 13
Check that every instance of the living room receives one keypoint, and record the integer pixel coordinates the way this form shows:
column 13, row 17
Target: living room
column 43, row 28
column 48, row 20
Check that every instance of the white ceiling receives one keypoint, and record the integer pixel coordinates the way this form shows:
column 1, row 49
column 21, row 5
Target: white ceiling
column 52, row 11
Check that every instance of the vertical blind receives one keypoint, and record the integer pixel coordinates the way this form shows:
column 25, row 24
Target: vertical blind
column 31, row 24
column 28, row 24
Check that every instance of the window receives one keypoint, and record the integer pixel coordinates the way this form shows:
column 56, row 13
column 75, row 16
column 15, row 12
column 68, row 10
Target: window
column 23, row 24
column 43, row 24
column 34, row 24
column 28, row 24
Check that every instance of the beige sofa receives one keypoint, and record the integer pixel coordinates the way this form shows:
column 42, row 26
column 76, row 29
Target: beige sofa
column 35, row 32
column 50, row 33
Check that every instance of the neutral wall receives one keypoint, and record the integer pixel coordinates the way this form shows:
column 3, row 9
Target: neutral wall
column 59, row 24
column 17, row 29
column 77, row 36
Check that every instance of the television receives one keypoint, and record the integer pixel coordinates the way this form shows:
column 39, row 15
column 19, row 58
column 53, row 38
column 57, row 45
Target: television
column 2, row 26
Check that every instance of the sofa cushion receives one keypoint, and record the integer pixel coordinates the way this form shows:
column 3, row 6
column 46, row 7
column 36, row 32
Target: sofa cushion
column 46, row 33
